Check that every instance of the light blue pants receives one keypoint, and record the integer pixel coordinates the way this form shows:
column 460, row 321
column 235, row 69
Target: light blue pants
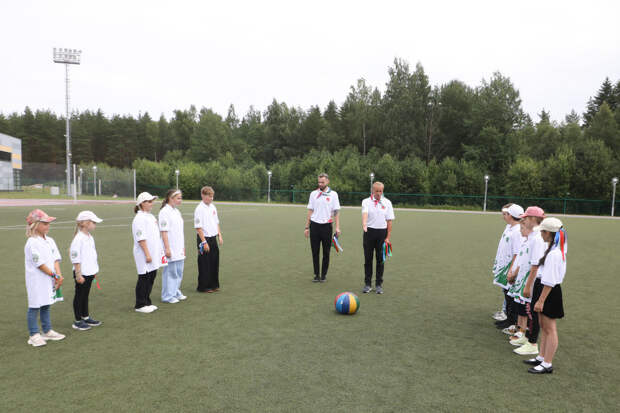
column 46, row 321
column 171, row 280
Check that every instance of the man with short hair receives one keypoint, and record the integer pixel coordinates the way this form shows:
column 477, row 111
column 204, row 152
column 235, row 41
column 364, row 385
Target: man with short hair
column 323, row 210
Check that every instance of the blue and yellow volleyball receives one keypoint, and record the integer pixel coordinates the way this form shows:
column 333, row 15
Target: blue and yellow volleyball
column 347, row 303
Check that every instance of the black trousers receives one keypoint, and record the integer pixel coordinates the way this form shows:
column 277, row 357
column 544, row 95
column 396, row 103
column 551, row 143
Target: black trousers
column 320, row 234
column 373, row 245
column 144, row 286
column 511, row 308
column 208, row 265
column 80, row 299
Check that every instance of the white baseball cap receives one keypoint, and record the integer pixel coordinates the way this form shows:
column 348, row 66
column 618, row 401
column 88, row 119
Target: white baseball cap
column 549, row 225
column 88, row 216
column 145, row 196
column 514, row 210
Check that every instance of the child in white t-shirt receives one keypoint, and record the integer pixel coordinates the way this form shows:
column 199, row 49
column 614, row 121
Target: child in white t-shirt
column 173, row 239
column 147, row 251
column 43, row 277
column 85, row 268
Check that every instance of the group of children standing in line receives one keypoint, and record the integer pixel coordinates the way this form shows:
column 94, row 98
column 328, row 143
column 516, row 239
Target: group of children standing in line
column 530, row 265
column 157, row 243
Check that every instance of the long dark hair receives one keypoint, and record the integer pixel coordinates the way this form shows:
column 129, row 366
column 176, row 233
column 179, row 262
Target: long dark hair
column 551, row 244
column 169, row 195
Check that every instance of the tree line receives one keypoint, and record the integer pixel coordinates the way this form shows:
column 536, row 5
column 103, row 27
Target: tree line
column 416, row 137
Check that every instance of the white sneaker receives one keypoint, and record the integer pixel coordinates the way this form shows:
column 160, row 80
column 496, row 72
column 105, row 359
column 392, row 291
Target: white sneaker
column 181, row 297
column 500, row 315
column 153, row 307
column 519, row 341
column 527, row 349
column 145, row 309
column 36, row 340
column 172, row 301
column 510, row 330
column 52, row 335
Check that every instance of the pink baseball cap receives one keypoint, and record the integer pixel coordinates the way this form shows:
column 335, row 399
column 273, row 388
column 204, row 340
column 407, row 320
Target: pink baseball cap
column 38, row 215
column 533, row 211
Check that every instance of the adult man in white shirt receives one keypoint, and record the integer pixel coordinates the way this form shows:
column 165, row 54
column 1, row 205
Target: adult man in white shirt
column 377, row 217
column 323, row 209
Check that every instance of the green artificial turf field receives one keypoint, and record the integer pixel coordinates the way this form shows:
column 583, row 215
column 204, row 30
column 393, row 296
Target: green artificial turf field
column 270, row 340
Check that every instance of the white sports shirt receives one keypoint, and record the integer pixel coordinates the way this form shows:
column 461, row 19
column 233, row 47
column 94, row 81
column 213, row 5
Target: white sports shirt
column 171, row 221
column 83, row 252
column 205, row 217
column 379, row 212
column 144, row 227
column 552, row 272
column 323, row 205
column 40, row 286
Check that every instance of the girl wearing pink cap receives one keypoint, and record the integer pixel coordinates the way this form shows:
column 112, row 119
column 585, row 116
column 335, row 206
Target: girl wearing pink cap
column 43, row 277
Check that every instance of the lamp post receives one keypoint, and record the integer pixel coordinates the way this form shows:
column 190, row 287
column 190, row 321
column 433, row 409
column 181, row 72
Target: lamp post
column 95, row 180
column 432, row 105
column 372, row 178
column 614, row 181
column 486, row 186
column 80, row 183
column 269, row 173
column 67, row 57
column 177, row 172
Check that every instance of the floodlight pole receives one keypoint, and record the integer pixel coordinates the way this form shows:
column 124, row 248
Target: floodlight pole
column 67, row 57
column 95, row 180
column 80, row 183
column 176, row 172
column 372, row 177
column 269, row 173
column 614, row 181
column 486, row 186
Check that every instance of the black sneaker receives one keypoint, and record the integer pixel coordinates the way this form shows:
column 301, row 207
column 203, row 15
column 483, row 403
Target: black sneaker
column 80, row 325
column 316, row 279
column 532, row 362
column 540, row 370
column 367, row 289
column 91, row 322
column 503, row 324
column 323, row 279
column 379, row 289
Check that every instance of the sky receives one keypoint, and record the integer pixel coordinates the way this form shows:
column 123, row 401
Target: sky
column 157, row 56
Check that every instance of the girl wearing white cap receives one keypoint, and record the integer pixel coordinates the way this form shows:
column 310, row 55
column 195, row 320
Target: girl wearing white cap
column 147, row 251
column 173, row 238
column 547, row 294
column 507, row 250
column 43, row 276
column 85, row 268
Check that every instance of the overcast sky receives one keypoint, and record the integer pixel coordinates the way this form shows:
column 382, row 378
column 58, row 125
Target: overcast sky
column 158, row 56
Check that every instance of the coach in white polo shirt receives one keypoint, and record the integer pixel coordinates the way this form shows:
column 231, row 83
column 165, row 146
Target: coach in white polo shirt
column 323, row 209
column 377, row 217
column 207, row 225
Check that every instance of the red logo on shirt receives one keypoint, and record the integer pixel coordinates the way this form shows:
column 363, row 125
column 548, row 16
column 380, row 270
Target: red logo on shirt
column 382, row 206
column 327, row 199
column 213, row 212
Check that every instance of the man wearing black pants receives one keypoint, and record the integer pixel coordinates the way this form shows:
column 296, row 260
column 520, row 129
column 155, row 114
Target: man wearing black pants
column 377, row 217
column 323, row 209
column 208, row 265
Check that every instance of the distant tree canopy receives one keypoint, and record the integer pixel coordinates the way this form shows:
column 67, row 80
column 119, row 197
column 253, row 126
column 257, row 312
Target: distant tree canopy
column 424, row 138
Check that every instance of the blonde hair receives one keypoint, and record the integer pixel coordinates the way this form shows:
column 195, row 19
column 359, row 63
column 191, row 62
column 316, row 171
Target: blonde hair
column 207, row 190
column 31, row 229
column 79, row 225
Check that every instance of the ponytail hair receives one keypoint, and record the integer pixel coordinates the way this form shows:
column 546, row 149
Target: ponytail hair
column 170, row 194
column 136, row 209
column 559, row 239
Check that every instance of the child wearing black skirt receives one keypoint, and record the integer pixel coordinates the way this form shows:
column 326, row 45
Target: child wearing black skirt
column 547, row 294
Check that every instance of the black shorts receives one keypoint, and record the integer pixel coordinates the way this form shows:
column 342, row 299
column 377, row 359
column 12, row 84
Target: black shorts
column 521, row 309
column 553, row 307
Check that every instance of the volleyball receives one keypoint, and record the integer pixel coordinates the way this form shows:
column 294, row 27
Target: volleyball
column 347, row 303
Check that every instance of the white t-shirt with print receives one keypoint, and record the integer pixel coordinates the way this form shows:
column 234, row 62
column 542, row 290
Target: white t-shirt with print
column 144, row 228
column 83, row 252
column 205, row 217
column 323, row 204
column 379, row 212
column 40, row 286
column 171, row 221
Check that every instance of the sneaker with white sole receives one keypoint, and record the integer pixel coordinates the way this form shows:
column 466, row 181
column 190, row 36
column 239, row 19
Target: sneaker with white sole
column 379, row 289
column 367, row 289
column 181, row 297
column 36, row 340
column 500, row 316
column 153, row 307
column 519, row 341
column 91, row 322
column 80, row 325
column 527, row 349
column 145, row 309
column 52, row 335
column 510, row 330
column 172, row 301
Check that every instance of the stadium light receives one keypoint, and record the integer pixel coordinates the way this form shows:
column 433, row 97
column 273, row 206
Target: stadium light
column 95, row 180
column 177, row 172
column 67, row 57
column 614, row 181
column 486, row 186
column 372, row 178
column 269, row 173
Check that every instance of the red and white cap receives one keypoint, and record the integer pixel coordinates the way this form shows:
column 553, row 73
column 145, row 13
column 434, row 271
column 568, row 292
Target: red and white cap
column 38, row 215
column 533, row 211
